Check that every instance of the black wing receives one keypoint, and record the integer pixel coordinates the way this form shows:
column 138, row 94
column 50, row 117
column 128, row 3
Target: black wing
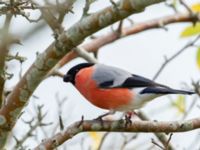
column 132, row 82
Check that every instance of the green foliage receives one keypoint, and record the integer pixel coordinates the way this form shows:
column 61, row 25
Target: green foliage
column 191, row 30
column 198, row 57
column 180, row 104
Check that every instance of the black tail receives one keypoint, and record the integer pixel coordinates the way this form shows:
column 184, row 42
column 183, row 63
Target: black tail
column 161, row 90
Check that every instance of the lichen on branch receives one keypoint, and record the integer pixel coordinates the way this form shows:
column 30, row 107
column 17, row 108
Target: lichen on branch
column 118, row 126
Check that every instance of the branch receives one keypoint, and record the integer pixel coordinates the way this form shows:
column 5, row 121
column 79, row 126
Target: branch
column 33, row 124
column 103, row 140
column 97, row 43
column 156, row 144
column 4, row 44
column 86, row 8
column 84, row 54
column 65, row 42
column 127, row 141
column 119, row 126
column 21, row 59
column 168, row 60
column 186, row 7
column 161, row 136
column 17, row 8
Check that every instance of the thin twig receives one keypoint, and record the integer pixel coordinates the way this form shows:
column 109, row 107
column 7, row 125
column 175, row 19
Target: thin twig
column 103, row 140
column 190, row 108
column 86, row 8
column 168, row 141
column 158, row 145
column 84, row 54
column 187, row 7
column 103, row 40
column 161, row 136
column 32, row 126
column 4, row 45
column 168, row 60
column 127, row 141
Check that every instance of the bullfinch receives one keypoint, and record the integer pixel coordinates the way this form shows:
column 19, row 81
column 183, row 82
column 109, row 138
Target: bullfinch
column 115, row 89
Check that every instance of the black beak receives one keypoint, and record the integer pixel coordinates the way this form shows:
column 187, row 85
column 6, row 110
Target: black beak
column 67, row 78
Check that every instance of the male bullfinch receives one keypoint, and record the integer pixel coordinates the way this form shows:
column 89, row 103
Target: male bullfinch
column 115, row 89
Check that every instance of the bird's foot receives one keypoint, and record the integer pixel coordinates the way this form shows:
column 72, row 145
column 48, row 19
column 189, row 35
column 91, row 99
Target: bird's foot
column 128, row 116
column 128, row 120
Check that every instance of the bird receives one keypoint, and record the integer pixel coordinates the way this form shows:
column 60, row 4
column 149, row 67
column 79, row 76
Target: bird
column 115, row 89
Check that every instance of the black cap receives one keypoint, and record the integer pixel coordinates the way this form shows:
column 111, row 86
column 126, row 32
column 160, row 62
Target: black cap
column 67, row 78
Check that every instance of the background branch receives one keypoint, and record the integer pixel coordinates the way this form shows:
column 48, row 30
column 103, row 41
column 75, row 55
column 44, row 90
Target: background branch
column 4, row 45
column 168, row 60
column 103, row 40
column 161, row 136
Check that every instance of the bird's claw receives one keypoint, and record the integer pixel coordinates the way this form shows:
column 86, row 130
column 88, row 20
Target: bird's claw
column 128, row 121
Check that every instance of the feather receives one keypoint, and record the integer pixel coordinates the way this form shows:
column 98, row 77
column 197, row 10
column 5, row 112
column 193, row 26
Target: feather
column 161, row 90
column 111, row 77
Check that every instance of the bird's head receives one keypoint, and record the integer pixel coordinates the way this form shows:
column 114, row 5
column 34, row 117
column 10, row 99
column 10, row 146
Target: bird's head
column 71, row 74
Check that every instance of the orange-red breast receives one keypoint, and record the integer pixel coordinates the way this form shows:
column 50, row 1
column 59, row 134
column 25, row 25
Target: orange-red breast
column 115, row 89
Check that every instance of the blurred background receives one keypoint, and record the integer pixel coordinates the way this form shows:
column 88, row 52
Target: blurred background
column 142, row 53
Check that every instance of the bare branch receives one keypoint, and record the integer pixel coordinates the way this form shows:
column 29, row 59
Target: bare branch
column 86, row 8
column 4, row 45
column 127, row 141
column 56, row 73
column 103, row 140
column 64, row 8
column 161, row 136
column 168, row 60
column 84, row 54
column 32, row 126
column 190, row 108
column 119, row 126
column 97, row 43
column 17, row 8
column 16, row 57
column 52, row 21
column 187, row 7
column 168, row 141
column 158, row 145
